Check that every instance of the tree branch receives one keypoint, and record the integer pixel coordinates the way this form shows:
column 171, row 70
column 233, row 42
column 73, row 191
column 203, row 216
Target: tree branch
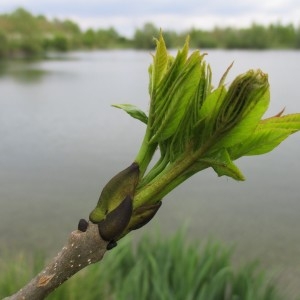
column 81, row 250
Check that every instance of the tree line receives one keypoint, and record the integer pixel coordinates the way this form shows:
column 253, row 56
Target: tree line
column 25, row 35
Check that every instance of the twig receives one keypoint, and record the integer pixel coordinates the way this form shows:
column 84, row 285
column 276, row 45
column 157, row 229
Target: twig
column 81, row 250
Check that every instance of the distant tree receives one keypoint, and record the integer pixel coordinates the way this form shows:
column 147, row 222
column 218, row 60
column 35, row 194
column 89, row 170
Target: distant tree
column 297, row 38
column 71, row 27
column 203, row 39
column 143, row 38
column 255, row 37
column 24, row 22
column 228, row 38
column 89, row 38
column 3, row 44
column 107, row 38
column 60, row 42
column 173, row 39
column 30, row 47
column 282, row 36
column 26, row 33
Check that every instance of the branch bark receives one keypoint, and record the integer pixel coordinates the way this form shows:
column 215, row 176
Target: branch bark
column 81, row 250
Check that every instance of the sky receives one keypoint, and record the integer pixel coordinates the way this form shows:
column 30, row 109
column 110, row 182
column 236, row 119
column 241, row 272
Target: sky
column 128, row 15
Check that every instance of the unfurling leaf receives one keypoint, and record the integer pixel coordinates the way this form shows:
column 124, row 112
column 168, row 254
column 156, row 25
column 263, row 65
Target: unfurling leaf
column 221, row 162
column 290, row 122
column 133, row 111
column 245, row 103
column 208, row 114
column 267, row 136
column 160, row 63
column 182, row 90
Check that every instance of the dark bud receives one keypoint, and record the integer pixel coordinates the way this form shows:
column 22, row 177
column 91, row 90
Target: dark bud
column 116, row 221
column 121, row 185
column 143, row 215
column 83, row 225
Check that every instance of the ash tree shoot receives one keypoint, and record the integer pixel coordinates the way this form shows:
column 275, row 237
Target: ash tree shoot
column 193, row 126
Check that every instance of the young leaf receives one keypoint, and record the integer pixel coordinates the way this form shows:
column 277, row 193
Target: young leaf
column 262, row 141
column 208, row 112
column 267, row 136
column 165, row 85
column 245, row 103
column 133, row 111
column 223, row 78
column 221, row 162
column 290, row 122
column 187, row 132
column 160, row 63
column 182, row 91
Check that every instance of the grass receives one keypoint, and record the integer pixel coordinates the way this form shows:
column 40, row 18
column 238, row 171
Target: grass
column 154, row 269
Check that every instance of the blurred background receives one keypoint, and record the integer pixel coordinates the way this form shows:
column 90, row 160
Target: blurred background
column 63, row 63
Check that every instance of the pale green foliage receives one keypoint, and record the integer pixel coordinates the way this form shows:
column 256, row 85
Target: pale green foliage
column 268, row 134
column 220, row 161
column 196, row 126
column 133, row 111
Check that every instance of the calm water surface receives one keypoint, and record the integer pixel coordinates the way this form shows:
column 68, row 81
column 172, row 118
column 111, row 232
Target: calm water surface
column 61, row 141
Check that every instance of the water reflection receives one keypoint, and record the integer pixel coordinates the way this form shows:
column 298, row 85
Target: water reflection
column 31, row 70
column 22, row 71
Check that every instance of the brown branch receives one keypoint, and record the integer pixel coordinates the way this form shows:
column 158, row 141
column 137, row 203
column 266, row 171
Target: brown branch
column 81, row 250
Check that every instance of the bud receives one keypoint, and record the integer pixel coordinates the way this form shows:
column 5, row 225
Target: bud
column 115, row 191
column 243, row 95
column 115, row 222
column 140, row 217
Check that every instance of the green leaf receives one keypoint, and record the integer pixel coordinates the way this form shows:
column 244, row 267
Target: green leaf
column 133, row 111
column 267, row 136
column 290, row 122
column 262, row 141
column 208, row 113
column 247, row 125
column 177, row 100
column 188, row 130
column 160, row 63
column 221, row 162
column 211, row 102
column 165, row 85
column 223, row 78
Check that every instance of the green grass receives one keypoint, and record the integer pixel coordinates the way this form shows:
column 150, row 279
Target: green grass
column 154, row 269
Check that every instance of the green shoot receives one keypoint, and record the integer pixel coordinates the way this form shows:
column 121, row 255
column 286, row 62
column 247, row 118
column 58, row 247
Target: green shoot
column 194, row 126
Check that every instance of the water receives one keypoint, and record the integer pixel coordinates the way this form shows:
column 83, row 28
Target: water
column 61, row 141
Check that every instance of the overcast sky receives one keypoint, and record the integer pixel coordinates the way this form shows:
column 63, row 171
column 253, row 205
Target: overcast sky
column 127, row 15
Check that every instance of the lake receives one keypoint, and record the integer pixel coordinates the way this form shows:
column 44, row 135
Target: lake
column 61, row 141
